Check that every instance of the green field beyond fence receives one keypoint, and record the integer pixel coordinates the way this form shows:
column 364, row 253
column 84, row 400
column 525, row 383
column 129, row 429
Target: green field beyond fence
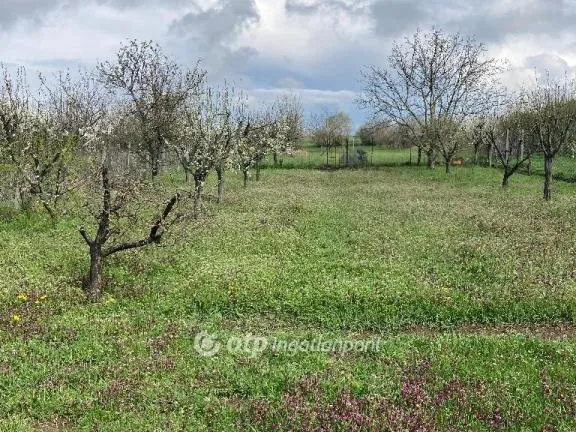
column 313, row 157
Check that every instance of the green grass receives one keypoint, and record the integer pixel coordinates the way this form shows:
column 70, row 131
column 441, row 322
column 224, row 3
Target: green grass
column 564, row 167
column 311, row 156
column 435, row 265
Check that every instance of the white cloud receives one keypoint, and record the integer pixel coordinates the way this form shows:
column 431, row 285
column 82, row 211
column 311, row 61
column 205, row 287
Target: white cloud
column 83, row 34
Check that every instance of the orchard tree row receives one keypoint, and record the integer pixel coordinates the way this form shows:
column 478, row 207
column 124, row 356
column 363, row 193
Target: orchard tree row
column 91, row 145
column 442, row 93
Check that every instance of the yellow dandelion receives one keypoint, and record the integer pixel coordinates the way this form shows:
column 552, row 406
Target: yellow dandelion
column 109, row 300
column 15, row 318
column 22, row 297
column 42, row 297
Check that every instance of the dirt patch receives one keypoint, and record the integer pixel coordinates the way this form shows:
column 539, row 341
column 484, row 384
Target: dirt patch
column 546, row 331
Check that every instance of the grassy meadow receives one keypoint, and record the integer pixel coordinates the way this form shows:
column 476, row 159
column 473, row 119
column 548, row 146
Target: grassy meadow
column 469, row 289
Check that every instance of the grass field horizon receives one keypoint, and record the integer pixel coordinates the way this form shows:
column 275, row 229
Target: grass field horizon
column 470, row 290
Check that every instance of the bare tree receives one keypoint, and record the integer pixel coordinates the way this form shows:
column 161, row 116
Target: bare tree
column 510, row 137
column 117, row 200
column 477, row 137
column 289, row 110
column 449, row 137
column 205, row 137
column 15, row 105
column 382, row 135
column 259, row 132
column 270, row 134
column 155, row 87
column 432, row 81
column 330, row 130
column 75, row 108
column 224, row 158
column 43, row 136
column 551, row 108
column 224, row 151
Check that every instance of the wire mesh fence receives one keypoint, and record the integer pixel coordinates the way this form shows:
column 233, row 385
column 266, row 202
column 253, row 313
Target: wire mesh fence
column 313, row 157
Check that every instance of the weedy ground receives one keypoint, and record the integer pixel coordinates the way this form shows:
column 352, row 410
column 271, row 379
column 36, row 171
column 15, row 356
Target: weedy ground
column 470, row 288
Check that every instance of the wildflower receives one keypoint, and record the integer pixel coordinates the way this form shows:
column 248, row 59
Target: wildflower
column 42, row 297
column 15, row 318
column 22, row 297
column 109, row 300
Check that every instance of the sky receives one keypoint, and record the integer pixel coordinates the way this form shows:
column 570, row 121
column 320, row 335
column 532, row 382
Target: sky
column 313, row 48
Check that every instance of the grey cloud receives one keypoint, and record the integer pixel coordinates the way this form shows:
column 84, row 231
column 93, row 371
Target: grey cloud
column 310, row 7
column 390, row 17
column 395, row 16
column 238, row 57
column 218, row 24
column 128, row 4
column 550, row 17
column 13, row 11
column 211, row 32
column 34, row 11
column 300, row 7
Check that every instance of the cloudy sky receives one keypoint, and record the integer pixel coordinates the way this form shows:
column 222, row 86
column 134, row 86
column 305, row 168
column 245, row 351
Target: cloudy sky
column 315, row 48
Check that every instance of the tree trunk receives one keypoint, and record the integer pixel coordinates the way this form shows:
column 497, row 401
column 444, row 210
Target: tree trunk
column 220, row 174
column 548, row 161
column 155, row 166
column 347, row 153
column 257, row 170
column 490, row 153
column 507, row 148
column 431, row 158
column 155, row 147
column 246, row 172
column 24, row 199
column 419, row 161
column 96, row 280
column 529, row 168
column 327, row 156
column 507, row 175
column 199, row 181
column 447, row 166
column 18, row 197
column 275, row 156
